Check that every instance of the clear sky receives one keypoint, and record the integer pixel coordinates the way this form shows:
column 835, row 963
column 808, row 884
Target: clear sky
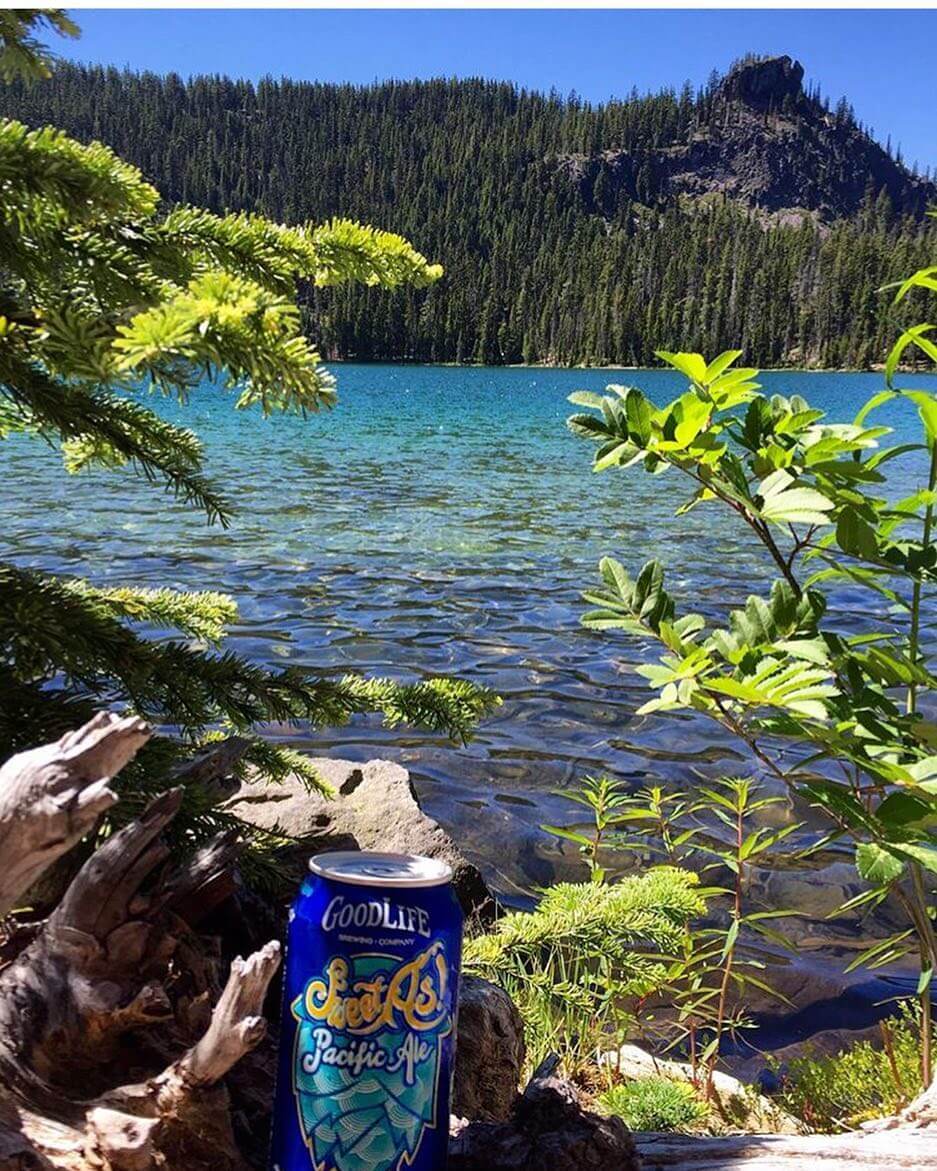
column 881, row 60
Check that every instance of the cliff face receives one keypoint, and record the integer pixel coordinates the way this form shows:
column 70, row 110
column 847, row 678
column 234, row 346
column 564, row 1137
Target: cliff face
column 766, row 144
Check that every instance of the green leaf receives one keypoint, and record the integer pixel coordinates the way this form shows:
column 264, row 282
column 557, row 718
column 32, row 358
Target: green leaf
column 877, row 864
column 559, row 831
column 885, row 951
column 924, row 855
column 718, row 366
column 855, row 535
column 926, row 403
column 877, row 400
column 587, row 398
column 692, row 365
column 783, row 502
column 639, row 413
column 613, row 456
column 690, row 414
column 915, row 336
column 904, row 808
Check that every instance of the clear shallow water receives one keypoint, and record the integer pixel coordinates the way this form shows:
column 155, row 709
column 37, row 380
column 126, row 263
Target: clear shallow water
column 439, row 520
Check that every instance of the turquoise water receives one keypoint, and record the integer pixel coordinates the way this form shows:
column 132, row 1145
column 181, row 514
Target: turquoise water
column 439, row 520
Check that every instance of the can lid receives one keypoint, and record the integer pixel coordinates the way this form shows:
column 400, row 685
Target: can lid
column 369, row 868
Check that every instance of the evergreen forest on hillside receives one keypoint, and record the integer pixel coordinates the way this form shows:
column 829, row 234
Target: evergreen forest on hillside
column 482, row 176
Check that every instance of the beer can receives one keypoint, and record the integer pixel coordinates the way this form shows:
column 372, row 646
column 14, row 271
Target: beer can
column 369, row 1012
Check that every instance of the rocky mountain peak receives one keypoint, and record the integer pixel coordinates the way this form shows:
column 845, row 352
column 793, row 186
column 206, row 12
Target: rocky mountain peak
column 764, row 82
column 761, row 141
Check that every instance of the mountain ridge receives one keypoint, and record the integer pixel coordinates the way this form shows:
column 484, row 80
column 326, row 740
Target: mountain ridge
column 549, row 256
column 767, row 145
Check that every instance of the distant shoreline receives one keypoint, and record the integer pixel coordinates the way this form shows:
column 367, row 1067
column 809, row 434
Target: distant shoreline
column 877, row 368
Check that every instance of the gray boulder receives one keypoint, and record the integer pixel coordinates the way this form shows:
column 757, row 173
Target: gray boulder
column 489, row 1053
column 549, row 1130
column 375, row 807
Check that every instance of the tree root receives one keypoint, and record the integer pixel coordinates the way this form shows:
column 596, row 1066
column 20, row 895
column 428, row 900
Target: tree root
column 115, row 975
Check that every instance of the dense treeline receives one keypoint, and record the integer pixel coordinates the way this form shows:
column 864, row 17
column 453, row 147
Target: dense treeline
column 468, row 170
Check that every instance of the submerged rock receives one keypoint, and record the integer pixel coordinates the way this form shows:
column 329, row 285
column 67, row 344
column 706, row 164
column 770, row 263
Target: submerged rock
column 489, row 1052
column 375, row 807
column 755, row 1068
column 549, row 1130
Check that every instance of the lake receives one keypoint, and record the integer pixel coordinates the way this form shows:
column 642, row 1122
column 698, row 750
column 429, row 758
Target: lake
column 439, row 521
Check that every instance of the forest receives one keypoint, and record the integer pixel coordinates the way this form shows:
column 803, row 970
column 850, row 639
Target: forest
column 541, row 266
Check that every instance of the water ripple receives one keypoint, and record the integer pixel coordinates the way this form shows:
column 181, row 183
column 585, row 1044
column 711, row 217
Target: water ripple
column 440, row 521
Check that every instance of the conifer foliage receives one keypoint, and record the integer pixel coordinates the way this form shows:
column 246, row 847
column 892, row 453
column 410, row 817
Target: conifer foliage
column 104, row 299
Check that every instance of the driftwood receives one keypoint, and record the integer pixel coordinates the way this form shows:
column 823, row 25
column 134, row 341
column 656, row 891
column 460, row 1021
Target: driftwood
column 114, row 982
column 50, row 797
column 907, row 1149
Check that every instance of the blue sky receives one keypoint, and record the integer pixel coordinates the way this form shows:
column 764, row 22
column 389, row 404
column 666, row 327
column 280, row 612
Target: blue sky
column 882, row 60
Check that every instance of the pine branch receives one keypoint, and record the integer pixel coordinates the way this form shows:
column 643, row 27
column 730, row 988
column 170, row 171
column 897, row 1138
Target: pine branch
column 51, row 628
column 51, row 180
column 237, row 328
column 202, row 614
column 21, row 54
column 100, row 429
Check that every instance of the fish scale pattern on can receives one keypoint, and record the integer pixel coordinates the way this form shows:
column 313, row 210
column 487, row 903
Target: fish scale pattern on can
column 369, row 1008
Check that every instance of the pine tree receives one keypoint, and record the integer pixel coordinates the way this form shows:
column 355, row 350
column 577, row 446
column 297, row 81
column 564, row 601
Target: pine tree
column 104, row 298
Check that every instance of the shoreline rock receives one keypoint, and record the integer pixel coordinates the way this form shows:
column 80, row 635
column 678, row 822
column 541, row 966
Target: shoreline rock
column 490, row 1052
column 549, row 1130
column 375, row 807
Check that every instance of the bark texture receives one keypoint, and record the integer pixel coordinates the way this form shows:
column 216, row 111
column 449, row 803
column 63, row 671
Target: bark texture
column 110, row 1053
column 907, row 1150
column 50, row 797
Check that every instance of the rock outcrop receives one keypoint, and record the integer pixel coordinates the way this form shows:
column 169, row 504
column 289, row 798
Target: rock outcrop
column 548, row 1129
column 767, row 83
column 374, row 807
column 767, row 145
column 489, row 1052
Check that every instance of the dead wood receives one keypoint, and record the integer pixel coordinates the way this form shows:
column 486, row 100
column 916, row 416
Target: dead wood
column 115, row 980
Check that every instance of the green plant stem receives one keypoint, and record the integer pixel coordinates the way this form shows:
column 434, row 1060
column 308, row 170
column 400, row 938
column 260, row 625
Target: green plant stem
column 888, row 1046
column 777, row 556
column 759, row 526
column 730, row 953
column 928, row 944
column 914, row 634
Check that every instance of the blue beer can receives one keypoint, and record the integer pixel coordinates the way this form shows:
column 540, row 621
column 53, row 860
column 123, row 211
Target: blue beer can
column 369, row 1013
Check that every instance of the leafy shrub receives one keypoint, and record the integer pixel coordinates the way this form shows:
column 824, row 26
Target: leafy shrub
column 714, row 958
column 654, row 1103
column 818, row 496
column 575, row 963
column 839, row 1092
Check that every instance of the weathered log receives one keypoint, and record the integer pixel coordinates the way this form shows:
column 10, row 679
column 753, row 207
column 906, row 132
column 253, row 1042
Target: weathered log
column 237, row 1023
column 125, row 1141
column 214, row 769
column 115, row 957
column 94, row 970
column 907, row 1150
column 50, row 797
column 190, row 1108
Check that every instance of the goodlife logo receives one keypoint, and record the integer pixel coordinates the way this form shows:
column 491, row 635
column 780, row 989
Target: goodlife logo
column 340, row 915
